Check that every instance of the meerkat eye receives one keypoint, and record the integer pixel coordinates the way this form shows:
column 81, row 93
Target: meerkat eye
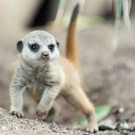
column 34, row 47
column 51, row 47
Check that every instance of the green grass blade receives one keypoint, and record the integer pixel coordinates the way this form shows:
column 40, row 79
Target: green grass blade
column 101, row 112
column 118, row 16
column 117, row 24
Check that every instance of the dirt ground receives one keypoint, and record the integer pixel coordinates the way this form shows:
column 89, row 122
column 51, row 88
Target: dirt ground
column 108, row 77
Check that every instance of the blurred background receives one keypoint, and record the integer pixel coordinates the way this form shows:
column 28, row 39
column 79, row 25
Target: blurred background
column 106, row 47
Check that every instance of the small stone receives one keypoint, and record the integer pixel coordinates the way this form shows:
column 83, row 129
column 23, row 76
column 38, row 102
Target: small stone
column 21, row 121
column 107, row 125
column 124, row 126
column 16, row 127
column 3, row 128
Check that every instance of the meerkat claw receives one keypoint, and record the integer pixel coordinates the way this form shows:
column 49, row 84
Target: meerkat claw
column 40, row 113
column 92, row 129
column 17, row 114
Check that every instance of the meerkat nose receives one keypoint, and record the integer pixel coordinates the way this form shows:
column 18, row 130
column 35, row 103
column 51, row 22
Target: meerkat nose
column 45, row 54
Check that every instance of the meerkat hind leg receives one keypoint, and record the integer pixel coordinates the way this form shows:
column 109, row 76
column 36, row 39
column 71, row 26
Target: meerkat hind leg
column 80, row 101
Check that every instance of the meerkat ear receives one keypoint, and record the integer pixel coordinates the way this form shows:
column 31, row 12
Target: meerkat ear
column 57, row 43
column 20, row 46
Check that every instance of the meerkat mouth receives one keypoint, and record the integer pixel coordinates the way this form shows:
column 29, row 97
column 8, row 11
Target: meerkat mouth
column 45, row 58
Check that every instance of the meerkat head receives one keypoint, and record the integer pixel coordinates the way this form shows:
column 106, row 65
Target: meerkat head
column 38, row 45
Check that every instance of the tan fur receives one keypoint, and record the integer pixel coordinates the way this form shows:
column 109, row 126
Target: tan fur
column 71, row 43
column 71, row 46
column 46, row 79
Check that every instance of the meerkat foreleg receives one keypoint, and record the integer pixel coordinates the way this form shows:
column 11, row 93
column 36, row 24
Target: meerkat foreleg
column 78, row 98
column 16, row 101
column 47, row 99
column 51, row 114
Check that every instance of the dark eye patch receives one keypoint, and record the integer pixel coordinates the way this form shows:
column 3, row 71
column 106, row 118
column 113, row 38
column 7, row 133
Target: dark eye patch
column 34, row 47
column 51, row 47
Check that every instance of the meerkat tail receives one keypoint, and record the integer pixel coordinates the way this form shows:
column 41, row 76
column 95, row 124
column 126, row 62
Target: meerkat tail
column 71, row 44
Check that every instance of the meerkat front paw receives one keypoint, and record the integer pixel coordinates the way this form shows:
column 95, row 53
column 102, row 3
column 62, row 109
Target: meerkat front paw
column 41, row 112
column 16, row 113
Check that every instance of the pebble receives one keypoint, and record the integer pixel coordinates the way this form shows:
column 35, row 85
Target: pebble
column 4, row 128
column 16, row 127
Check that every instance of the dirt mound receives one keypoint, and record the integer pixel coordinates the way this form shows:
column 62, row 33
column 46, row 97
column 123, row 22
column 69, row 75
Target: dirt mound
column 14, row 126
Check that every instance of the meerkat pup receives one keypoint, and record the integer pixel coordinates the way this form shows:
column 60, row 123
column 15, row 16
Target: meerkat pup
column 45, row 75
